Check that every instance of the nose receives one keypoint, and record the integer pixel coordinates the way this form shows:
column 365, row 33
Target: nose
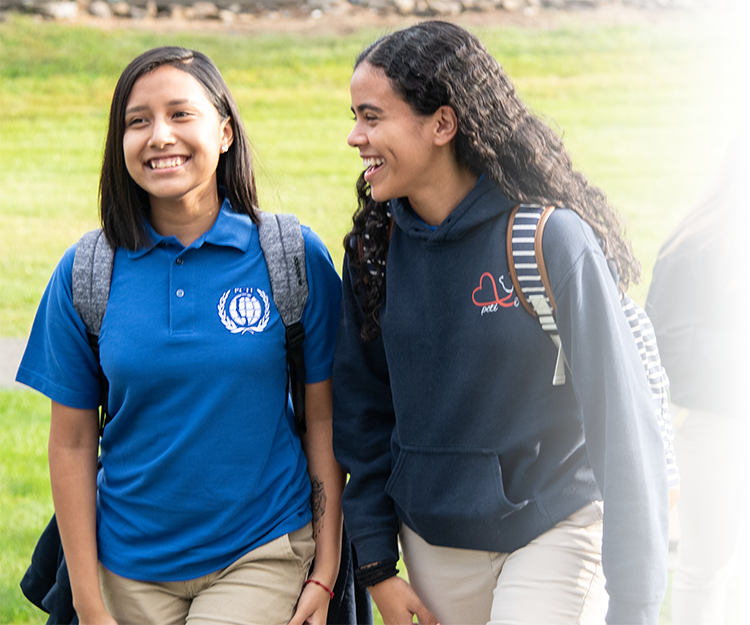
column 357, row 138
column 161, row 134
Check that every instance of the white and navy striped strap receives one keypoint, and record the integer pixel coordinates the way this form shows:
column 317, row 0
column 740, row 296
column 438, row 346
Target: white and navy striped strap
column 529, row 274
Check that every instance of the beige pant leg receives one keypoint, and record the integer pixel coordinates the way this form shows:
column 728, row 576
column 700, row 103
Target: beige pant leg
column 261, row 588
column 456, row 585
column 555, row 579
column 708, row 454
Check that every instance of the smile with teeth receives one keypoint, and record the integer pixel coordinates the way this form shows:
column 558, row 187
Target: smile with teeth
column 164, row 163
column 372, row 162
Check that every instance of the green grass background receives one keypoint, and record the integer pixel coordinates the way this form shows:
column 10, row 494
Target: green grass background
column 645, row 110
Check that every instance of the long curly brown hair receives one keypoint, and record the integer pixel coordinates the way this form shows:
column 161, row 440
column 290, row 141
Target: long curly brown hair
column 433, row 64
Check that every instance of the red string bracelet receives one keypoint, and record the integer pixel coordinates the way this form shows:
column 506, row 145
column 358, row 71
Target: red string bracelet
column 317, row 583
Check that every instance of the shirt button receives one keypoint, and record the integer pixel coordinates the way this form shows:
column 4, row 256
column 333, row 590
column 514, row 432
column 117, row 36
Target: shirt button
column 180, row 293
column 179, row 261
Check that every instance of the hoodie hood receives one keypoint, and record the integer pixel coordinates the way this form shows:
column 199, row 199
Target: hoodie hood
column 483, row 203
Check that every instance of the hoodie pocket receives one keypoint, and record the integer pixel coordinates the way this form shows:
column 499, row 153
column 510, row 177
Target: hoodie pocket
column 455, row 497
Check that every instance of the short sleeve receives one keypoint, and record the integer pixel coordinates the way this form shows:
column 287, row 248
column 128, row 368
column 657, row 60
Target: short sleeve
column 321, row 315
column 58, row 361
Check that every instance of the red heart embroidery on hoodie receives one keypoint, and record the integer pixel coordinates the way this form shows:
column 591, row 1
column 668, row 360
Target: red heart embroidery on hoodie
column 491, row 298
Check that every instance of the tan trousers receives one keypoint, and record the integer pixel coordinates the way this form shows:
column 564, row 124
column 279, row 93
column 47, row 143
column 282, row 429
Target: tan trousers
column 707, row 446
column 261, row 588
column 555, row 579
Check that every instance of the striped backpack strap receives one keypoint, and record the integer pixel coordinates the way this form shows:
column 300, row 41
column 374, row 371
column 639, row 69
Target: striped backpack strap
column 531, row 282
column 529, row 273
column 645, row 340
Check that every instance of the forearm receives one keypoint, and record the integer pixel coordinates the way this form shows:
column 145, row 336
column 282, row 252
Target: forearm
column 327, row 480
column 73, row 446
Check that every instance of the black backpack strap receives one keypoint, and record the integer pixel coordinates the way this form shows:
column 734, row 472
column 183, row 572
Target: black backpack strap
column 92, row 276
column 284, row 251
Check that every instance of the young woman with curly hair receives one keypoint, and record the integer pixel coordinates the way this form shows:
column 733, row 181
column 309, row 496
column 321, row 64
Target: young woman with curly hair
column 698, row 305
column 513, row 499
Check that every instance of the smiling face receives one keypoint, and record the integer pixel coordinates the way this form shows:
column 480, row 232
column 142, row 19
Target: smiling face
column 397, row 146
column 173, row 138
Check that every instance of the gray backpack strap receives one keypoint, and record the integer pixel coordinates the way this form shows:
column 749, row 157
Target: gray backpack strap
column 284, row 251
column 92, row 275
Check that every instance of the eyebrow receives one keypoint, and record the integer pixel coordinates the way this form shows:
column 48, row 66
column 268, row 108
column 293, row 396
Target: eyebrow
column 137, row 109
column 367, row 107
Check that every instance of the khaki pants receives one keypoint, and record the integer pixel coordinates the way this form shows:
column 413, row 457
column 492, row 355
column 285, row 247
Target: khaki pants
column 555, row 579
column 707, row 446
column 261, row 588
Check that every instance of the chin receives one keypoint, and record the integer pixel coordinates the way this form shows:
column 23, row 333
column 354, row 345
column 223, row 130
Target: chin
column 379, row 196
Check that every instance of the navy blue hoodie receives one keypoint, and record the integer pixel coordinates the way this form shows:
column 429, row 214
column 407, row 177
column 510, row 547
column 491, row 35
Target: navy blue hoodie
column 449, row 421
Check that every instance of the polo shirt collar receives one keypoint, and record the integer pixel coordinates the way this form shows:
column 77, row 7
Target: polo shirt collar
column 229, row 230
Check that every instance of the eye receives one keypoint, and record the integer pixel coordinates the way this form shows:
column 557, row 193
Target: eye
column 181, row 114
column 135, row 121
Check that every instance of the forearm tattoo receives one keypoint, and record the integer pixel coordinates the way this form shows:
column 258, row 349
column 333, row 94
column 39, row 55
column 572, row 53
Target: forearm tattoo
column 318, row 504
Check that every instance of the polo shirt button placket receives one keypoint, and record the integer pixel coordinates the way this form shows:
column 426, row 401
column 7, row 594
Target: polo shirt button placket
column 180, row 292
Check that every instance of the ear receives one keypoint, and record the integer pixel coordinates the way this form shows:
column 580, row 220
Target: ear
column 446, row 125
column 227, row 132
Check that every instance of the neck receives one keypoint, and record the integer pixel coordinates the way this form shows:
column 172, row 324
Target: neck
column 440, row 200
column 185, row 220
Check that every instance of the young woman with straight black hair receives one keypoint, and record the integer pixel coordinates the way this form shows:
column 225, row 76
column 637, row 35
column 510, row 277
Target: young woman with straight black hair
column 208, row 507
column 513, row 499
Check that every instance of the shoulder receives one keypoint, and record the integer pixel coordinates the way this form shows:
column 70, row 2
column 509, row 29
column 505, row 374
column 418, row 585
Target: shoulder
column 313, row 243
column 687, row 254
column 318, row 258
column 63, row 274
column 567, row 240
column 687, row 263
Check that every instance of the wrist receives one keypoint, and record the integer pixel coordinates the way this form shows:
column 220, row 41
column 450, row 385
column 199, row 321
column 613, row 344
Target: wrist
column 324, row 575
column 93, row 613
column 319, row 584
column 372, row 574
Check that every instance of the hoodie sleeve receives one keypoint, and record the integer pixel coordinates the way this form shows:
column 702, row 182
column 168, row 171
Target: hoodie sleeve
column 700, row 358
column 622, row 436
column 363, row 422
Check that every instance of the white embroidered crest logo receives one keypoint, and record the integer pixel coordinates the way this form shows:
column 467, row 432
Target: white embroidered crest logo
column 247, row 310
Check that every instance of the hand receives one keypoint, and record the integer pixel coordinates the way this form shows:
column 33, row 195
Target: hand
column 398, row 603
column 312, row 607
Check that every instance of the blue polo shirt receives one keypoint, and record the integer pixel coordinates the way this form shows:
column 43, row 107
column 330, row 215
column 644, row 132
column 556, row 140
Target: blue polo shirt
column 201, row 462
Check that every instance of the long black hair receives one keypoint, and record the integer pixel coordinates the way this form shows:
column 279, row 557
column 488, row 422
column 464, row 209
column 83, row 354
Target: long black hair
column 434, row 64
column 123, row 205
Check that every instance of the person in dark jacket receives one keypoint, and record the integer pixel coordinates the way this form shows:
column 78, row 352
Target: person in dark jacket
column 697, row 301
column 512, row 498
